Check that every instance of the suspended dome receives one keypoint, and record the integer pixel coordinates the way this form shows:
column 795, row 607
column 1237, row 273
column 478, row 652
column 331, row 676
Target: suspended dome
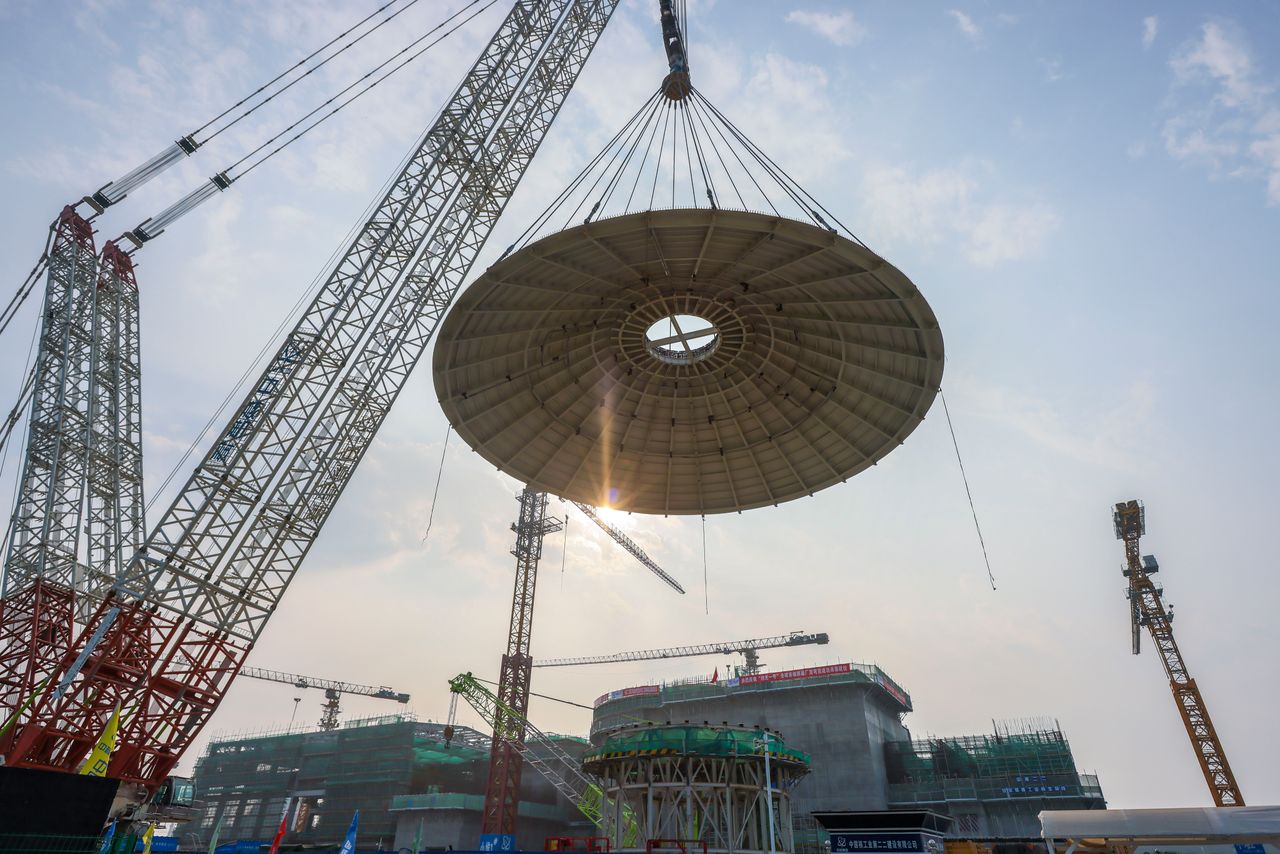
column 688, row 361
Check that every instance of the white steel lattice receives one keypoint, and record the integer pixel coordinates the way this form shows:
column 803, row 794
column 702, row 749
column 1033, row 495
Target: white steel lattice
column 115, row 525
column 228, row 547
column 44, row 530
column 191, row 603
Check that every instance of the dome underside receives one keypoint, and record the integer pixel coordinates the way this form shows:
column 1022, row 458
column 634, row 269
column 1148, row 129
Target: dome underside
column 820, row 359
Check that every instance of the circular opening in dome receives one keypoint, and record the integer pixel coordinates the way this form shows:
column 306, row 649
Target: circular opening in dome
column 682, row 339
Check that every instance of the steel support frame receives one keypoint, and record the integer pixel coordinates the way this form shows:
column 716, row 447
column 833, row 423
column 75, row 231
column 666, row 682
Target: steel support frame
column 1146, row 599
column 719, row 800
column 213, row 570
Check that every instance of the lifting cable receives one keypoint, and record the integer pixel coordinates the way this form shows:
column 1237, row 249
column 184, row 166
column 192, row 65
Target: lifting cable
column 439, row 474
column 564, row 550
column 706, row 593
column 990, row 576
column 543, row 696
column 188, row 144
column 720, row 162
column 154, row 226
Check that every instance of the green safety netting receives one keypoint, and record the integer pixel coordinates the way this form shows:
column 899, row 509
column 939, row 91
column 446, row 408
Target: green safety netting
column 430, row 752
column 701, row 740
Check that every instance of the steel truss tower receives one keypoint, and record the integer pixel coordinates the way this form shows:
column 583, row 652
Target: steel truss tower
column 187, row 609
column 41, row 567
column 83, row 469
column 115, row 527
column 502, row 792
column 1147, row 609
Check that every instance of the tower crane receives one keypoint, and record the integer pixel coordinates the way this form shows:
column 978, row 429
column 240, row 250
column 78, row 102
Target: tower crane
column 333, row 690
column 181, row 616
column 748, row 649
column 506, row 758
column 1147, row 608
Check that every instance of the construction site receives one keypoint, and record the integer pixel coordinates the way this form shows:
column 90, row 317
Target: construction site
column 677, row 329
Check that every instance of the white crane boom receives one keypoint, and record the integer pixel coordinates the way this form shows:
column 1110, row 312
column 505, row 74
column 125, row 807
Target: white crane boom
column 747, row 648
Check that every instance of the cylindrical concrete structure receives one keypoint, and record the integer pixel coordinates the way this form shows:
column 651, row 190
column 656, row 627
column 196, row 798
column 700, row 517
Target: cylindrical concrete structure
column 684, row 786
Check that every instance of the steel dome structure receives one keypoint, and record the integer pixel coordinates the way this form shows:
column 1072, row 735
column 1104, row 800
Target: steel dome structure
column 688, row 361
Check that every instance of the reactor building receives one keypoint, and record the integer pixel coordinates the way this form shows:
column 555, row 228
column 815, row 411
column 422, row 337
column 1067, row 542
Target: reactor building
column 848, row 718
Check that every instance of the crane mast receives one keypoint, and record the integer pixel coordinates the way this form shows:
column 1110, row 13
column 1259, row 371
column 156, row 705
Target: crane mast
column 502, row 790
column 189, row 605
column 1147, row 609
column 747, row 648
column 79, row 507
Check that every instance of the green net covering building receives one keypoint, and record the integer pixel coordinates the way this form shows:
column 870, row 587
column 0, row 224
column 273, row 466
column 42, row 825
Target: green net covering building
column 397, row 771
column 991, row 785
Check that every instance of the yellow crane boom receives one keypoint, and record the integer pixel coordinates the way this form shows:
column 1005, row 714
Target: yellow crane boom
column 1147, row 608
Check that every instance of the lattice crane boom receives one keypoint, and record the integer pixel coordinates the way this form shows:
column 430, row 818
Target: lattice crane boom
column 542, row 752
column 190, row 605
column 380, row 692
column 333, row 691
column 1147, row 608
column 629, row 544
column 744, row 647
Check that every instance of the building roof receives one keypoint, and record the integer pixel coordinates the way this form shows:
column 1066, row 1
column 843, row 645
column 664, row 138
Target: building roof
column 1184, row 826
column 803, row 359
column 686, row 690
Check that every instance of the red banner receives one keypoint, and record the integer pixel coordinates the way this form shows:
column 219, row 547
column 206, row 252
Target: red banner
column 628, row 692
column 805, row 673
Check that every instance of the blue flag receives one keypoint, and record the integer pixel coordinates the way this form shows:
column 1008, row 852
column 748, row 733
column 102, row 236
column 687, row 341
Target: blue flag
column 106, row 839
column 349, row 844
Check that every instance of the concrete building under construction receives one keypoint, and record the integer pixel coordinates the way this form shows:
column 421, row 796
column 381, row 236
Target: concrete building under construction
column 400, row 773
column 849, row 719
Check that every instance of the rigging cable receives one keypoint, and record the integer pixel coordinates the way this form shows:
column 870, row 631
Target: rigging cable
column 17, row 481
column 990, row 576
column 543, row 696
column 564, row 551
column 24, row 290
column 272, row 344
column 299, row 64
column 439, row 474
column 706, row 595
column 154, row 226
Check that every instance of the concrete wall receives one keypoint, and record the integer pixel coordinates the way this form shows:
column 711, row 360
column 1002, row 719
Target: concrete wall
column 843, row 727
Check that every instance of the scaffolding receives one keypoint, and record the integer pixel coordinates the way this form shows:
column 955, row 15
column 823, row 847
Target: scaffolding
column 725, row 789
column 329, row 775
column 1020, row 759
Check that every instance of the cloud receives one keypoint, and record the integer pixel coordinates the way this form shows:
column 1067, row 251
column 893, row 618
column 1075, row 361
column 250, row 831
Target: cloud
column 1224, row 58
column 838, row 28
column 947, row 204
column 1150, row 26
column 966, row 25
column 1052, row 69
column 1110, row 436
column 1006, row 232
column 1224, row 116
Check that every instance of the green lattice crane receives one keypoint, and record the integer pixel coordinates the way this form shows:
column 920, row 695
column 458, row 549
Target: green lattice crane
column 541, row 751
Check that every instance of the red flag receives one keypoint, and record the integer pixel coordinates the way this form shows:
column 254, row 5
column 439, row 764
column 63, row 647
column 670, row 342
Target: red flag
column 715, row 677
column 275, row 843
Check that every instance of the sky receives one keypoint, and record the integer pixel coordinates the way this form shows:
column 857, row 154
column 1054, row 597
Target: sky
column 1087, row 194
